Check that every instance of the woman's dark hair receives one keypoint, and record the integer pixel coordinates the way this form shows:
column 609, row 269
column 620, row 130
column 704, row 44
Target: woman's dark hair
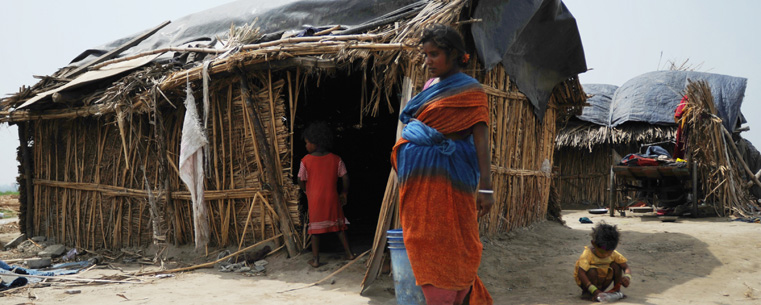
column 319, row 133
column 447, row 39
column 605, row 236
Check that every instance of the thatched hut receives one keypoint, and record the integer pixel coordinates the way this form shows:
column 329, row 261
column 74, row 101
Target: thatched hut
column 619, row 121
column 102, row 141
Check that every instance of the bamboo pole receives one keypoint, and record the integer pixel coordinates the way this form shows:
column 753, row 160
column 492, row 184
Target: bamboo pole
column 330, row 275
column 210, row 264
column 293, row 40
column 161, row 140
column 74, row 279
column 739, row 156
column 117, row 191
column 277, row 193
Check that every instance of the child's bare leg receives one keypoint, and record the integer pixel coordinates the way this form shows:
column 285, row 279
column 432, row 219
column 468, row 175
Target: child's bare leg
column 600, row 282
column 345, row 243
column 617, row 273
column 315, row 261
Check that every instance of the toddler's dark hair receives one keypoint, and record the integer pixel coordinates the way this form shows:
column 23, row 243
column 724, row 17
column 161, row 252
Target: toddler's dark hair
column 605, row 236
column 319, row 133
column 447, row 39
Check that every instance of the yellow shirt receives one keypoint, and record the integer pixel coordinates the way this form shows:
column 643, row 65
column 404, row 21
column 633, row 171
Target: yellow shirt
column 589, row 260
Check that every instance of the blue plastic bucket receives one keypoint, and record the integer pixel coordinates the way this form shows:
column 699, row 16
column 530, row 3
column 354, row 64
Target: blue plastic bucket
column 407, row 293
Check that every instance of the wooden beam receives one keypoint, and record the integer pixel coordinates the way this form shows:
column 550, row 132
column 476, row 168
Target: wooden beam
column 27, row 115
column 25, row 130
column 739, row 155
column 271, row 170
column 116, row 191
column 113, row 53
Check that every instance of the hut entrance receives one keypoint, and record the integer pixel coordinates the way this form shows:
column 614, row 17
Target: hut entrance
column 363, row 142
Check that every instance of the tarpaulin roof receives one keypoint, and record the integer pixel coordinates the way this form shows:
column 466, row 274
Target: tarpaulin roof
column 598, row 110
column 537, row 41
column 652, row 97
column 271, row 16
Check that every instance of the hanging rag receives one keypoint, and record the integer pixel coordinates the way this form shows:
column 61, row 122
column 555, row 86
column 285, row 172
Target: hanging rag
column 191, row 169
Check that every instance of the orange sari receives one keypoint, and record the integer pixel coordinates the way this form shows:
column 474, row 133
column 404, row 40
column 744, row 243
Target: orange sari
column 438, row 181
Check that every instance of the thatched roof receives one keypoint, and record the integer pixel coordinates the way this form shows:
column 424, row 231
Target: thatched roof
column 583, row 135
column 591, row 127
column 376, row 35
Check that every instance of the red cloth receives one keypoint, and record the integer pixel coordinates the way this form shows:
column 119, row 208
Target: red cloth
column 678, row 113
column 438, row 296
column 325, row 212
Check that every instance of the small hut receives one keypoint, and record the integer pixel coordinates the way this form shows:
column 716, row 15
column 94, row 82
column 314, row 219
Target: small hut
column 619, row 121
column 190, row 132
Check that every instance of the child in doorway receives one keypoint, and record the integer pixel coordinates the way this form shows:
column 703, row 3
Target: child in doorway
column 318, row 177
column 602, row 265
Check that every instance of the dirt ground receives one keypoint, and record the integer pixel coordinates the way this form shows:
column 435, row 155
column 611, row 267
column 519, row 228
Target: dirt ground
column 691, row 261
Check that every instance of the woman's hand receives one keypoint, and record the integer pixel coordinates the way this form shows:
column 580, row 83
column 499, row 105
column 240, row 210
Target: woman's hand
column 483, row 203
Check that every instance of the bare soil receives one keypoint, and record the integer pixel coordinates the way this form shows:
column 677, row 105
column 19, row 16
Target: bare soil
column 690, row 261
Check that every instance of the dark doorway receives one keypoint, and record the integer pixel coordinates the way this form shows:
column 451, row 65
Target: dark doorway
column 365, row 147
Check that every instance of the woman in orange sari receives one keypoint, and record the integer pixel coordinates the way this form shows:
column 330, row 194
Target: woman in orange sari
column 442, row 161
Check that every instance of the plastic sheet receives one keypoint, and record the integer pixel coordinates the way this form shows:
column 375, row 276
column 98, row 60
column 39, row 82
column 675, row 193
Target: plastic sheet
column 536, row 41
column 598, row 110
column 652, row 97
column 270, row 16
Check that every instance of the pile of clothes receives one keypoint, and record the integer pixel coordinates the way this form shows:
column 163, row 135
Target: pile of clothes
column 653, row 156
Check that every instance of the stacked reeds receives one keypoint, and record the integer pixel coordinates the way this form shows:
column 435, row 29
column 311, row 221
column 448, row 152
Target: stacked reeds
column 712, row 148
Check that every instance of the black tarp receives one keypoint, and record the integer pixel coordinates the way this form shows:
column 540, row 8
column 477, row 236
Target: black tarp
column 652, row 97
column 537, row 41
column 271, row 16
column 598, row 110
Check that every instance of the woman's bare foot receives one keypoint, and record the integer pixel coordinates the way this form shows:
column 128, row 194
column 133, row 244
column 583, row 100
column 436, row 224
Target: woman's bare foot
column 350, row 256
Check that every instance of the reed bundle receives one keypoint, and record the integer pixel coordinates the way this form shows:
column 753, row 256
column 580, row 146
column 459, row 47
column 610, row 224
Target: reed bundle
column 718, row 163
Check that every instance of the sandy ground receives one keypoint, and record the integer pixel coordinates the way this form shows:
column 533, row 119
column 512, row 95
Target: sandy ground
column 691, row 261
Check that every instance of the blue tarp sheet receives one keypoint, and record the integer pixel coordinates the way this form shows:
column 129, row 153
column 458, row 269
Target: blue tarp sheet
column 598, row 110
column 652, row 97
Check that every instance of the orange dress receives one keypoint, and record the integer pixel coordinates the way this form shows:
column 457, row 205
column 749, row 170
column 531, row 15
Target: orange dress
column 321, row 174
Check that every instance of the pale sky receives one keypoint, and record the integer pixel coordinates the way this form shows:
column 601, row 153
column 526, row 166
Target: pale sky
column 622, row 39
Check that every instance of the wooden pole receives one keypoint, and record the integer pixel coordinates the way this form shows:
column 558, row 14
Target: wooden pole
column 160, row 134
column 694, row 186
column 329, row 275
column 74, row 279
column 758, row 176
column 267, row 154
column 739, row 156
column 113, row 53
column 24, row 132
column 211, row 264
column 612, row 192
